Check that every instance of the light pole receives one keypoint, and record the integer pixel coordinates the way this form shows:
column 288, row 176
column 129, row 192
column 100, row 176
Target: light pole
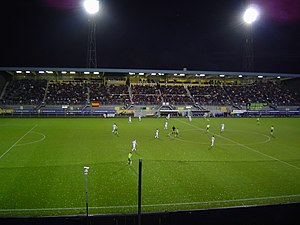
column 92, row 8
column 85, row 171
column 249, row 17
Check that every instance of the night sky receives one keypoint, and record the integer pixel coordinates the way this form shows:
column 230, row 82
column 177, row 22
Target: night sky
column 156, row 34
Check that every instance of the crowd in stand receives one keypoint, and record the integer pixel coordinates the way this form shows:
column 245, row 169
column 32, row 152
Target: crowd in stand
column 33, row 92
column 29, row 92
column 73, row 93
column 145, row 94
column 109, row 95
column 176, row 95
column 268, row 92
column 209, row 95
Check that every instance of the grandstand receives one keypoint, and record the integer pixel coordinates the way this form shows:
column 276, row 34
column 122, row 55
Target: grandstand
column 248, row 171
column 105, row 91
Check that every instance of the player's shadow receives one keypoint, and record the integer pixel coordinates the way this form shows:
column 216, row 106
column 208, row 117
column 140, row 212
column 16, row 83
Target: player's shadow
column 132, row 169
column 122, row 168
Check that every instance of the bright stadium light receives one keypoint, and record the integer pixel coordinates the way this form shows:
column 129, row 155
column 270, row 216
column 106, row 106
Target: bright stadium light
column 91, row 6
column 250, row 15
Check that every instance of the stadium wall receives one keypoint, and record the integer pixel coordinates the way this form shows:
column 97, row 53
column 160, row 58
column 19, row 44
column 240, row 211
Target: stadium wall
column 287, row 214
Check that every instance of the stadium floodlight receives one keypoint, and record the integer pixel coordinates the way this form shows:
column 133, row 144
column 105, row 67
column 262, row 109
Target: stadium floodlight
column 27, row 71
column 153, row 74
column 240, row 76
column 278, row 77
column 96, row 73
column 18, row 71
column 250, row 15
column 91, row 6
column 72, row 72
column 41, row 71
column 202, row 75
column 49, row 72
column 222, row 75
column 141, row 73
column 260, row 77
column 131, row 73
column 63, row 72
column 86, row 72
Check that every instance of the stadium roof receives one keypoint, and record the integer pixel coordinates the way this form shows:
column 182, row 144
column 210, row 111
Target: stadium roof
column 109, row 71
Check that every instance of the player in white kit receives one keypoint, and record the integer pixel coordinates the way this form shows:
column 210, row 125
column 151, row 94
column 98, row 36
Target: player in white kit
column 222, row 127
column 156, row 133
column 212, row 141
column 133, row 145
column 166, row 125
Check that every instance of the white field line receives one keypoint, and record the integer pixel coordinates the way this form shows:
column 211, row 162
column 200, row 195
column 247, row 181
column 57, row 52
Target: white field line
column 251, row 149
column 33, row 142
column 153, row 205
column 17, row 141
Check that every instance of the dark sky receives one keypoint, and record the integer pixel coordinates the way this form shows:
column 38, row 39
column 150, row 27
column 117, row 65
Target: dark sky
column 156, row 34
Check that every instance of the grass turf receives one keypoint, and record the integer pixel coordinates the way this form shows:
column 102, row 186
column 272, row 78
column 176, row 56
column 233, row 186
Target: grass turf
column 41, row 164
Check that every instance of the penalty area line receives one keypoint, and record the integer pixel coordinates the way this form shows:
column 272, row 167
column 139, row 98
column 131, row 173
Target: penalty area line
column 18, row 141
column 154, row 205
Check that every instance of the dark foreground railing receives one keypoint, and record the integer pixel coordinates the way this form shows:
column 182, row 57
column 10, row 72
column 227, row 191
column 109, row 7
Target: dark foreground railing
column 281, row 214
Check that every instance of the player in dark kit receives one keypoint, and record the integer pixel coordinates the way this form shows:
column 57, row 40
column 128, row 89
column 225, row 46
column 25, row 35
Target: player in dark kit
column 173, row 130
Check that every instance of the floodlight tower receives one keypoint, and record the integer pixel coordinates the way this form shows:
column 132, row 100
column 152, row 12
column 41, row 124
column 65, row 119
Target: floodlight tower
column 92, row 8
column 249, row 17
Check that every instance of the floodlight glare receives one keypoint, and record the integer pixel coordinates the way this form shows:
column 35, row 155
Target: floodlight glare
column 250, row 15
column 91, row 6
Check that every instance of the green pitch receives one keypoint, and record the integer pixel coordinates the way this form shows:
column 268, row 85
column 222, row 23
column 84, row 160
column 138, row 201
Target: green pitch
column 42, row 160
